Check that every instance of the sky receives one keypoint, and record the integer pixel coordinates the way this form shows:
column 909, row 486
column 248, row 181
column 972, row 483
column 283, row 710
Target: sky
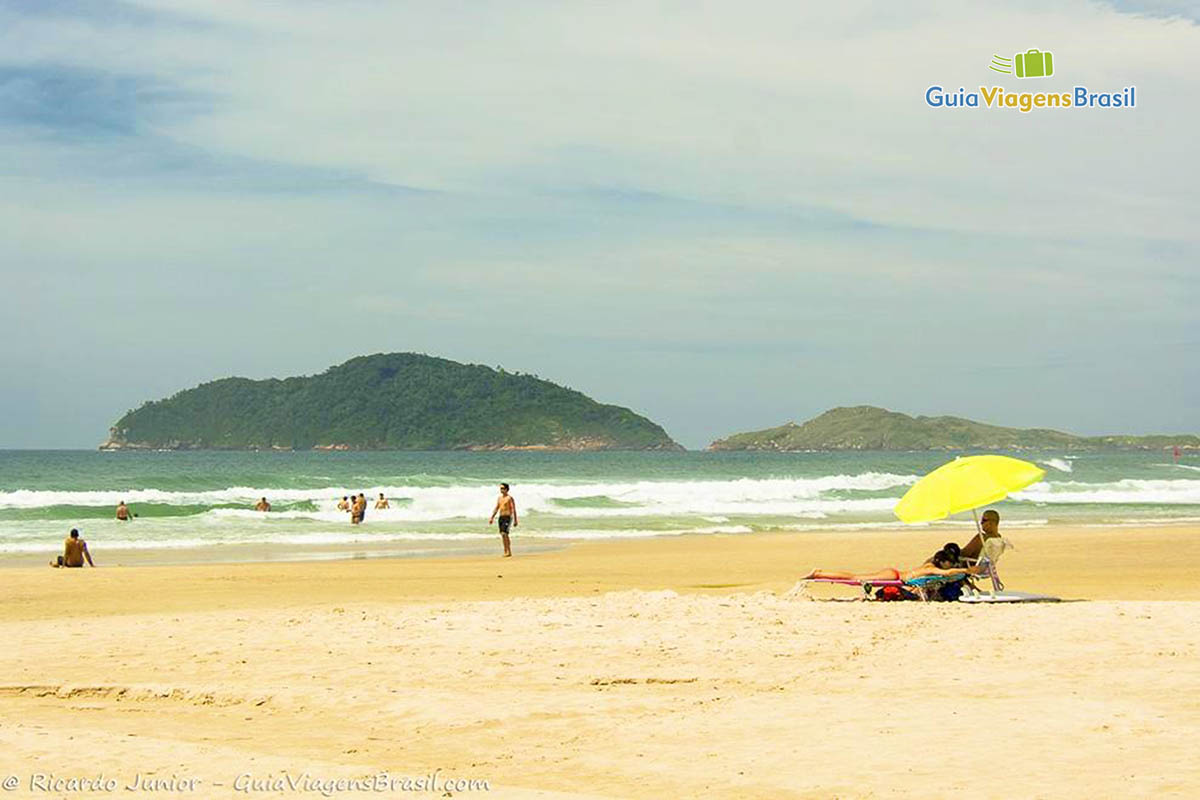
column 722, row 215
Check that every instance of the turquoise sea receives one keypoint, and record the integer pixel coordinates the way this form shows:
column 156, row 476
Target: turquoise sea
column 194, row 505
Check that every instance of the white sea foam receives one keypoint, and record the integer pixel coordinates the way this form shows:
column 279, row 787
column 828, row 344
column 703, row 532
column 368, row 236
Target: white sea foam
column 27, row 498
column 55, row 546
column 1191, row 467
column 1059, row 464
column 43, row 544
column 723, row 529
column 425, row 504
column 714, row 500
column 1143, row 522
column 312, row 539
column 809, row 526
column 1158, row 492
column 629, row 533
column 217, row 516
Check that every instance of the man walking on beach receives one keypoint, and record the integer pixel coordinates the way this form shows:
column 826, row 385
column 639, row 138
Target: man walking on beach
column 506, row 507
column 74, row 552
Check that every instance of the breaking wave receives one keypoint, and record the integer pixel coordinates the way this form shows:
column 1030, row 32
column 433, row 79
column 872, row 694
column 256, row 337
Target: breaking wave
column 430, row 503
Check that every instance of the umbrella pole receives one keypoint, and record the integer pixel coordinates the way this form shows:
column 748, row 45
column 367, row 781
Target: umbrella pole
column 978, row 531
column 991, row 569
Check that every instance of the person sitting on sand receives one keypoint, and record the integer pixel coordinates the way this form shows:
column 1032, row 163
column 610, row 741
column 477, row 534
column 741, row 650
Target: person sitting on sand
column 123, row 513
column 262, row 505
column 381, row 502
column 75, row 552
column 893, row 574
column 345, row 504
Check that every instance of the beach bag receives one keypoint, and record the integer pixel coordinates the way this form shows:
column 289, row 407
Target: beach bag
column 949, row 592
column 888, row 593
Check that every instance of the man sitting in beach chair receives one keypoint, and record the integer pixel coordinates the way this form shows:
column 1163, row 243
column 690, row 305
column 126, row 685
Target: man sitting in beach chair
column 989, row 528
column 986, row 547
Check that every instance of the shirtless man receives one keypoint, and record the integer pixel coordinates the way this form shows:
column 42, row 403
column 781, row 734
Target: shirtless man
column 506, row 507
column 989, row 523
column 381, row 502
column 345, row 504
column 358, row 509
column 123, row 512
column 75, row 552
column 262, row 505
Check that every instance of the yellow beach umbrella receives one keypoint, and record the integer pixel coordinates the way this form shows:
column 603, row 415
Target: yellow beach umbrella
column 965, row 484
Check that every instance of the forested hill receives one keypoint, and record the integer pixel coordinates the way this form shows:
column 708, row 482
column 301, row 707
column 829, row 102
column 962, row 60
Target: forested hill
column 871, row 428
column 396, row 401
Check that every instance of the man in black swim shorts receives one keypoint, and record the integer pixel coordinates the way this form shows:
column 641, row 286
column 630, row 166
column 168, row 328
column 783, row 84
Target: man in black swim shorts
column 506, row 508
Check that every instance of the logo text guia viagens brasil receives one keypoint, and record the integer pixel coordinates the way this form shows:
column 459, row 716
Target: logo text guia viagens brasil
column 1030, row 64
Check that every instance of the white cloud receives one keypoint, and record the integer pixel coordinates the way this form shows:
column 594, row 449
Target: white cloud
column 768, row 103
column 706, row 172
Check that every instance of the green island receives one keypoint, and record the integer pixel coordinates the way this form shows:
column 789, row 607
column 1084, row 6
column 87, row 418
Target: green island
column 872, row 428
column 394, row 401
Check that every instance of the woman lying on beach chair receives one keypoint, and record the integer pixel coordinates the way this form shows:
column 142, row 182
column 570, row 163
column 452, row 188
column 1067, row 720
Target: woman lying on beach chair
column 927, row 581
column 893, row 575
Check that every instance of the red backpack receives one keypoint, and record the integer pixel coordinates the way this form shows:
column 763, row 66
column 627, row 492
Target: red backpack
column 889, row 593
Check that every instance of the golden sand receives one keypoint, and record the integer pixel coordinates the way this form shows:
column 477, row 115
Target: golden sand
column 673, row 667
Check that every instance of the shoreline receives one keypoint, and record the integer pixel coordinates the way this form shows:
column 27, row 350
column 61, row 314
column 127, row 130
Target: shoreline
column 482, row 546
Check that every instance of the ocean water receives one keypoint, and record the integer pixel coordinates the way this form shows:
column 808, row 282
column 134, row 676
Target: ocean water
column 201, row 502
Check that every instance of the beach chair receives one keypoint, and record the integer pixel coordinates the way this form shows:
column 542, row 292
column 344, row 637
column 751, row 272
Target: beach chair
column 926, row 587
column 923, row 587
column 989, row 556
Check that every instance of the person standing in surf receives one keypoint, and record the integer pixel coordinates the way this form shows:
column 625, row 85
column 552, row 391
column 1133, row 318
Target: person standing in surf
column 506, row 507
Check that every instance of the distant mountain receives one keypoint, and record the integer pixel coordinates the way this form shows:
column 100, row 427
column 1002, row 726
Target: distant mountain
column 397, row 401
column 871, row 428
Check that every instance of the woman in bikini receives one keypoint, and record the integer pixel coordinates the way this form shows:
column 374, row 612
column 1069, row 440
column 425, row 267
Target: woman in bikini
column 942, row 565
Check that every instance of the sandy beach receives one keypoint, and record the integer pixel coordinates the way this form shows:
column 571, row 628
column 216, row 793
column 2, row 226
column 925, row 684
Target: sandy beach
column 671, row 667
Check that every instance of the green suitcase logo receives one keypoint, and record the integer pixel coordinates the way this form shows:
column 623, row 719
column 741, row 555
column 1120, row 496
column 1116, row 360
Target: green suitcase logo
column 1034, row 64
